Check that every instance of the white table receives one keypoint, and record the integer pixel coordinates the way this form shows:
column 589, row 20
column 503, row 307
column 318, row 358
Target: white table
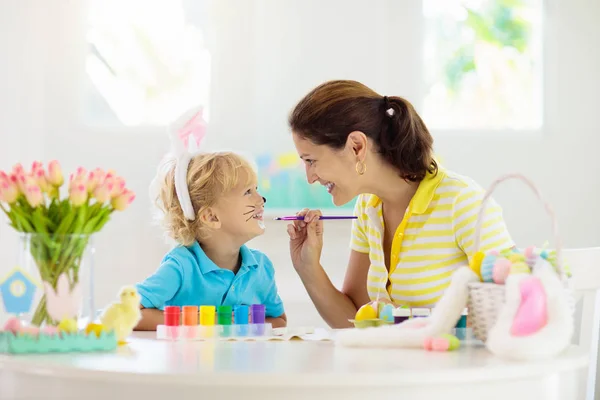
column 151, row 369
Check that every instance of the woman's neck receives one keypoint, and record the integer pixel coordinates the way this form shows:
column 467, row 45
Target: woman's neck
column 222, row 252
column 392, row 189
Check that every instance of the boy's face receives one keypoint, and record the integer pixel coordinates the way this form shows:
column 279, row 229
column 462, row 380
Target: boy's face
column 240, row 212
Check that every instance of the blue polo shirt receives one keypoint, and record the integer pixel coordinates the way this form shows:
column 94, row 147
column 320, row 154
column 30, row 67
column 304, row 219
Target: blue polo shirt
column 187, row 277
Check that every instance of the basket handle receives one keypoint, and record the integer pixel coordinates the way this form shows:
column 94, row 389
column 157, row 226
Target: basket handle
column 547, row 207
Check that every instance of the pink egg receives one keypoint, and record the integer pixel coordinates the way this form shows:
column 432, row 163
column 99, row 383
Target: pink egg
column 427, row 343
column 529, row 251
column 31, row 330
column 501, row 270
column 440, row 344
column 12, row 325
column 50, row 330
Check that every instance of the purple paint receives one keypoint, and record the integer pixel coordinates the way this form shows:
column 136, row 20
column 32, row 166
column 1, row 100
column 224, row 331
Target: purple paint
column 258, row 313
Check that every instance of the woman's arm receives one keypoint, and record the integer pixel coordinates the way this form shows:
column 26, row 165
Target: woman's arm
column 151, row 318
column 337, row 307
column 334, row 306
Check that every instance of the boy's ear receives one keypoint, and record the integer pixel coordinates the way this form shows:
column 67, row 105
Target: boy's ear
column 209, row 218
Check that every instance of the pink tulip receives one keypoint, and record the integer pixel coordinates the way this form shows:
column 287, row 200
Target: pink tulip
column 55, row 175
column 40, row 178
column 34, row 195
column 18, row 170
column 78, row 194
column 102, row 192
column 9, row 193
column 4, row 177
column 118, row 187
column 123, row 201
column 95, row 178
column 36, row 166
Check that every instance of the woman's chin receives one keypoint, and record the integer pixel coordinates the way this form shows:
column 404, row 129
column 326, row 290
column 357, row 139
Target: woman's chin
column 340, row 199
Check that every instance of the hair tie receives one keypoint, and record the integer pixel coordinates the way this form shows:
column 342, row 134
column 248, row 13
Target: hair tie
column 389, row 110
column 190, row 124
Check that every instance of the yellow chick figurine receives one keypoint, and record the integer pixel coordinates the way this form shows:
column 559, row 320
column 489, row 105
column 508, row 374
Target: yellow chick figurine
column 124, row 315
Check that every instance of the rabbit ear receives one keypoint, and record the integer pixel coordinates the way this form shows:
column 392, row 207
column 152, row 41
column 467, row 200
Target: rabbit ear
column 190, row 124
column 62, row 285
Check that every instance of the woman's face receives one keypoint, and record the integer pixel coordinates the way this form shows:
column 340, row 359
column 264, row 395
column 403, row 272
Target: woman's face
column 334, row 169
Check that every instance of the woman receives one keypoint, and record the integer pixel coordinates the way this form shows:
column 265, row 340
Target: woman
column 416, row 221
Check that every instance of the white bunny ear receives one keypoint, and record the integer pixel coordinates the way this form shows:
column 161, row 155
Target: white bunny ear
column 190, row 125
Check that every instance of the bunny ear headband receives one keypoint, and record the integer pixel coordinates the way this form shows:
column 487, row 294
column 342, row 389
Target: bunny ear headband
column 189, row 125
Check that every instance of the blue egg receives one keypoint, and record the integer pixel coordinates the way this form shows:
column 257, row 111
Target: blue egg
column 487, row 267
column 387, row 313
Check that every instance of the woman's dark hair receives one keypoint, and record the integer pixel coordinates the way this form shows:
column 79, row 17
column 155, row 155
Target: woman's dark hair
column 331, row 111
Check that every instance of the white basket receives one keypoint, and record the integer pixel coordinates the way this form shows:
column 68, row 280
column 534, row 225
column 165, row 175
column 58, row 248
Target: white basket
column 487, row 299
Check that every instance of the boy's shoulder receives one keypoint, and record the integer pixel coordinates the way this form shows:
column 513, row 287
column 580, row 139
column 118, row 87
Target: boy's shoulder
column 257, row 257
column 181, row 256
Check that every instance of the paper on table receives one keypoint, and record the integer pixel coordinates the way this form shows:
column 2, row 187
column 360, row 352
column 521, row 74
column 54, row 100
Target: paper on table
column 285, row 334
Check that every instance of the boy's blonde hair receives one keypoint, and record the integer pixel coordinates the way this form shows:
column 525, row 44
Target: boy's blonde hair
column 209, row 176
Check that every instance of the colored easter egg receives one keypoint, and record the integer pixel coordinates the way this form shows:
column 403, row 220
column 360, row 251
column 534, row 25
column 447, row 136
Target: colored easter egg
column 29, row 330
column 440, row 344
column 519, row 267
column 502, row 268
column 387, row 313
column 516, row 257
column 50, row 330
column 453, row 341
column 12, row 325
column 475, row 263
column 487, row 267
column 366, row 312
column 68, row 325
column 427, row 343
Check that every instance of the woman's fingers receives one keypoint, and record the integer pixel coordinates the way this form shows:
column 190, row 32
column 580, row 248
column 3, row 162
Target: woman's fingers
column 300, row 223
column 291, row 230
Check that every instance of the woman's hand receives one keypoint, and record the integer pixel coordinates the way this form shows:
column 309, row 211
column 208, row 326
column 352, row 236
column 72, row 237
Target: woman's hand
column 306, row 239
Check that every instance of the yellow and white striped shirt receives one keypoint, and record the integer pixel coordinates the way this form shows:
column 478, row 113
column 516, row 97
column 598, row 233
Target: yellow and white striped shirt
column 435, row 238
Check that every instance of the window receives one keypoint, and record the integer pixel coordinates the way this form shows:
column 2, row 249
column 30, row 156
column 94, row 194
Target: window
column 147, row 62
column 483, row 64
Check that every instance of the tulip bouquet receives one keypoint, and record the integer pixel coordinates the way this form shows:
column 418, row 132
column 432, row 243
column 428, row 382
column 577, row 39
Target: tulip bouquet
column 58, row 229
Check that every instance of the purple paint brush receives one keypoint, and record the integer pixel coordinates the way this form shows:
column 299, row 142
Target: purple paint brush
column 301, row 218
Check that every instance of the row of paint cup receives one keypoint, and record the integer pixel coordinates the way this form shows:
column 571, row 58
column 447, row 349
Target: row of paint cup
column 193, row 322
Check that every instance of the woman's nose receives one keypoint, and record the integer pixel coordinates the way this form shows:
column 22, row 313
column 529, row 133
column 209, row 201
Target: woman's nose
column 311, row 177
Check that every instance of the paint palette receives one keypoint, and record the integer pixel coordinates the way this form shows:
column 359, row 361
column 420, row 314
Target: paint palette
column 210, row 322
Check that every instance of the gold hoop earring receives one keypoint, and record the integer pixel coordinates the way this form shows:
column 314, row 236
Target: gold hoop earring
column 361, row 167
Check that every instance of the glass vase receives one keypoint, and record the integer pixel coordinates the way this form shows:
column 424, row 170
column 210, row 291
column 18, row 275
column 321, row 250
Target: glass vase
column 41, row 260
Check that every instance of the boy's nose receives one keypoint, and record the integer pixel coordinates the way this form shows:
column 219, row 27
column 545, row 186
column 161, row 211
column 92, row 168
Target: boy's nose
column 264, row 200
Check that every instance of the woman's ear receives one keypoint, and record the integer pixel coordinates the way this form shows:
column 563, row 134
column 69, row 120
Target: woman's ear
column 357, row 144
column 209, row 217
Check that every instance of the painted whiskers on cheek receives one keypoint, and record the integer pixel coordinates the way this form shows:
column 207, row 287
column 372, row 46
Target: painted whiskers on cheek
column 251, row 212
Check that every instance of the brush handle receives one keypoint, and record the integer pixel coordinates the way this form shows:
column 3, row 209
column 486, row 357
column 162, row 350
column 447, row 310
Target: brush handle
column 301, row 218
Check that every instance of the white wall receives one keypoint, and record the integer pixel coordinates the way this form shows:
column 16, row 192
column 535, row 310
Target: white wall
column 255, row 86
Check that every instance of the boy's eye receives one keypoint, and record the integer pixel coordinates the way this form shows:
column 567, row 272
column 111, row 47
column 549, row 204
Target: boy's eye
column 309, row 161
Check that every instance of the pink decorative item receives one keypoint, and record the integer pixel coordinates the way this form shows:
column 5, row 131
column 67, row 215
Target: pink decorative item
column 12, row 325
column 29, row 330
column 65, row 302
column 427, row 343
column 195, row 127
column 501, row 270
column 532, row 314
column 50, row 330
column 440, row 344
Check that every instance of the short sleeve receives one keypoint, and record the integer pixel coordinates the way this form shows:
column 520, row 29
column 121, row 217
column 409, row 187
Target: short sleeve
column 272, row 301
column 494, row 233
column 359, row 240
column 161, row 286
